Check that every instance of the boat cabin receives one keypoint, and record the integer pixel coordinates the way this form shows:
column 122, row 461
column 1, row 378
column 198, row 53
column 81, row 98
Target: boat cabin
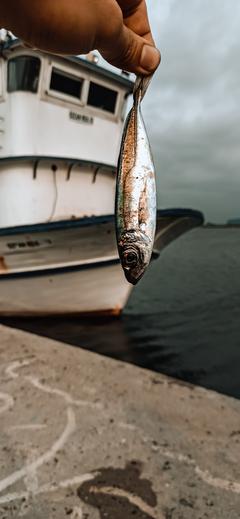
column 61, row 121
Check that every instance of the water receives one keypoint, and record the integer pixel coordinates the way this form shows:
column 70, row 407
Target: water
column 182, row 319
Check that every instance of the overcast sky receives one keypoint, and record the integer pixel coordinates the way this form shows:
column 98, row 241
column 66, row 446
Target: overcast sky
column 192, row 109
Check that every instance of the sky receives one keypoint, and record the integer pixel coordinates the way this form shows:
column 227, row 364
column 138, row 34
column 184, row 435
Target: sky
column 192, row 108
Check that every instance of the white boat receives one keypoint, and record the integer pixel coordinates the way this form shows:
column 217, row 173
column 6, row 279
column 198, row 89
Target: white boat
column 61, row 120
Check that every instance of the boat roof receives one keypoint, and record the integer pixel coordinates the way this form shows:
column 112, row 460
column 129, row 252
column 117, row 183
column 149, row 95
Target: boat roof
column 120, row 79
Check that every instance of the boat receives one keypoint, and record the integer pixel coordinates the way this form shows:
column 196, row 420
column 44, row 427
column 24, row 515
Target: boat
column 61, row 121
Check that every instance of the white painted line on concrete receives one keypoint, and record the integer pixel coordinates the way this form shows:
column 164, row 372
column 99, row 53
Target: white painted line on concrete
column 49, row 487
column 182, row 458
column 31, row 478
column 76, row 513
column 27, row 427
column 133, row 499
column 128, row 426
column 209, row 479
column 46, row 456
column 77, row 480
column 223, row 484
column 11, row 369
column 63, row 394
column 8, row 498
column 8, row 402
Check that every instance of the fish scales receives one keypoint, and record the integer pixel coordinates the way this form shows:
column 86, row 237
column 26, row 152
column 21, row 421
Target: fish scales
column 135, row 193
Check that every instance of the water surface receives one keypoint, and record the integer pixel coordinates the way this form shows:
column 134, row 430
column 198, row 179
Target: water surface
column 182, row 319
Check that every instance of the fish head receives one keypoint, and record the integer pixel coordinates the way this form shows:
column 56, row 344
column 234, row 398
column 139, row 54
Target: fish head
column 135, row 254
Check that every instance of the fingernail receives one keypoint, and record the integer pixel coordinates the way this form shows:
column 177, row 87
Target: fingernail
column 150, row 58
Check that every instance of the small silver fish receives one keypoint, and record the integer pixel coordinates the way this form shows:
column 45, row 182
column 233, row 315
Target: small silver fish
column 135, row 204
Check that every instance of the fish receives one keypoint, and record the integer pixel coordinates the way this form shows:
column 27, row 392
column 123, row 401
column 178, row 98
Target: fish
column 135, row 201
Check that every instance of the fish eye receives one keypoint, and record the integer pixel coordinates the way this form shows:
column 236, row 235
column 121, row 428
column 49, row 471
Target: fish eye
column 130, row 258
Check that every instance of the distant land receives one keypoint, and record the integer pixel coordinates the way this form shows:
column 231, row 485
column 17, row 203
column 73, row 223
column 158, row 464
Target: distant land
column 233, row 222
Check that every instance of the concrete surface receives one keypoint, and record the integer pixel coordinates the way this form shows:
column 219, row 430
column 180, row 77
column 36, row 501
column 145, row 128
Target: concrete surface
column 86, row 437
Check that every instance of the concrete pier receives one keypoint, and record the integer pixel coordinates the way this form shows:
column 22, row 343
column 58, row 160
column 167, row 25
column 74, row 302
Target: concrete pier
column 83, row 436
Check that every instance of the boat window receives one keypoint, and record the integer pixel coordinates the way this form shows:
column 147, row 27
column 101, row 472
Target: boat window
column 66, row 83
column 23, row 74
column 102, row 97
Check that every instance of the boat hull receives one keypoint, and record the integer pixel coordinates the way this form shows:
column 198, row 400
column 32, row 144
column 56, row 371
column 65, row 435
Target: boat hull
column 72, row 267
column 100, row 289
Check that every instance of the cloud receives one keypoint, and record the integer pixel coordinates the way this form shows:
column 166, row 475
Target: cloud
column 192, row 108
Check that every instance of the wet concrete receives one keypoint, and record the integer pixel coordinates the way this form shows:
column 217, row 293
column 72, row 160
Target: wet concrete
column 83, row 436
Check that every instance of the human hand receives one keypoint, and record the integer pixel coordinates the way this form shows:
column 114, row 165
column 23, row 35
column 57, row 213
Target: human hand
column 119, row 29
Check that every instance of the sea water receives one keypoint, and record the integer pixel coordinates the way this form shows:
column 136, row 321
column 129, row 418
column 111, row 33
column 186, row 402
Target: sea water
column 182, row 319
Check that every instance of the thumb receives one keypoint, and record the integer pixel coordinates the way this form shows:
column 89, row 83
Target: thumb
column 131, row 52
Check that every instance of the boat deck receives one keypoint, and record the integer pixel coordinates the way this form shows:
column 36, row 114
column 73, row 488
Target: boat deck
column 83, row 436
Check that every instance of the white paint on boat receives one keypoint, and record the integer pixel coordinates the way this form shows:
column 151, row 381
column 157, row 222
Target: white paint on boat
column 61, row 120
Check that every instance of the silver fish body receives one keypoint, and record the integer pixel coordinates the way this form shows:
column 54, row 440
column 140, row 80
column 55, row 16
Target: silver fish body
column 135, row 193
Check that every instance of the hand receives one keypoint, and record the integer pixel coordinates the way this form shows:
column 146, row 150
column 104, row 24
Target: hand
column 118, row 29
